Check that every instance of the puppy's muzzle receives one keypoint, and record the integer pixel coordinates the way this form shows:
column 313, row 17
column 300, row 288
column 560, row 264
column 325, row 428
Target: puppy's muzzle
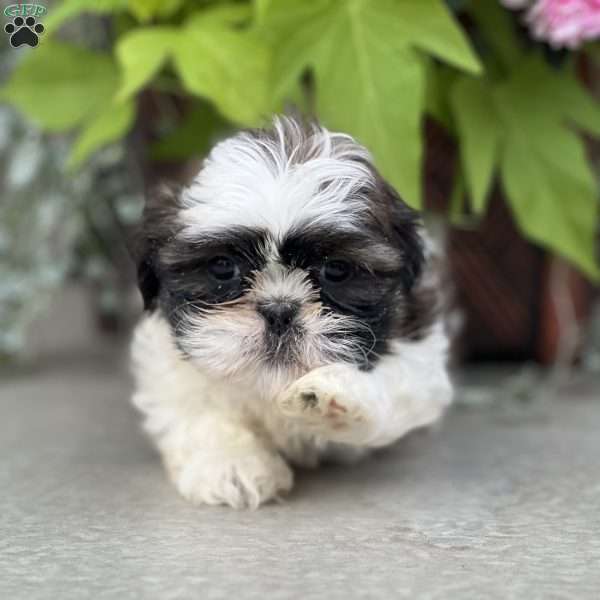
column 279, row 316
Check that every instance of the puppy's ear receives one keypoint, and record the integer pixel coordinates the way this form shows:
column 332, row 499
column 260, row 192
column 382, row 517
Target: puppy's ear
column 147, row 276
column 156, row 228
column 404, row 229
column 406, row 224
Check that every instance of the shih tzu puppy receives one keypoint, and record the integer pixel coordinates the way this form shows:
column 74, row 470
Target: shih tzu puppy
column 292, row 315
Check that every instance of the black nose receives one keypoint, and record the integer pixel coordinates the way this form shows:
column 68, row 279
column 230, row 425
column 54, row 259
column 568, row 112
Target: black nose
column 278, row 315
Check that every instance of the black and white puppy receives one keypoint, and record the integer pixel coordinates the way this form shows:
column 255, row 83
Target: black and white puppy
column 291, row 315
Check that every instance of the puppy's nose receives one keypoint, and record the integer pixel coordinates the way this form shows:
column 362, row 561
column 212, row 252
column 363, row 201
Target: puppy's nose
column 279, row 315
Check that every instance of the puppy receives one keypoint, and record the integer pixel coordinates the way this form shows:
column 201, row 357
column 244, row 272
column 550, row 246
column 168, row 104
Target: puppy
column 292, row 315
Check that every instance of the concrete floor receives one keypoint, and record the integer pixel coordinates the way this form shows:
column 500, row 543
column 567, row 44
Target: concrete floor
column 501, row 502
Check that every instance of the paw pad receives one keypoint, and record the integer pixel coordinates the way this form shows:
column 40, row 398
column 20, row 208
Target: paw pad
column 309, row 399
column 325, row 403
column 24, row 31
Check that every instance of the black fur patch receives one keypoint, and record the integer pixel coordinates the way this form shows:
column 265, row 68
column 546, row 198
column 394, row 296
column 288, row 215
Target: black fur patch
column 185, row 277
column 157, row 228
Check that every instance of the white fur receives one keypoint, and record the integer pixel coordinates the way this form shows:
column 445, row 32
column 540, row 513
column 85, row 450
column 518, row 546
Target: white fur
column 259, row 185
column 408, row 389
column 223, row 442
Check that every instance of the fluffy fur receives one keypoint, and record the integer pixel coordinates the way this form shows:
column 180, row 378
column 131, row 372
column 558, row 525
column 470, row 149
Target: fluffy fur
column 293, row 313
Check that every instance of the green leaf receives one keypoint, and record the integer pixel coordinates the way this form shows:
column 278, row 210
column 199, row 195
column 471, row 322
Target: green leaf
column 439, row 81
column 69, row 9
column 194, row 136
column 227, row 66
column 222, row 14
column 551, row 206
column 499, row 32
column 387, row 122
column 59, row 85
column 109, row 125
column 427, row 25
column 260, row 8
column 569, row 99
column 549, row 184
column 522, row 125
column 370, row 76
column 580, row 107
column 479, row 134
column 141, row 54
column 213, row 56
column 146, row 10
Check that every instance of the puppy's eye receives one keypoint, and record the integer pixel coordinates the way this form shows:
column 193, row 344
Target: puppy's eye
column 223, row 268
column 336, row 271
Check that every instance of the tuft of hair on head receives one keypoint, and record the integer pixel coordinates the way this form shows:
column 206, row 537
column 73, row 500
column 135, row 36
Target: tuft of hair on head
column 272, row 177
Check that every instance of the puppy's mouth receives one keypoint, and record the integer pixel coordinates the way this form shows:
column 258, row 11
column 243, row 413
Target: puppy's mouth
column 283, row 348
column 283, row 332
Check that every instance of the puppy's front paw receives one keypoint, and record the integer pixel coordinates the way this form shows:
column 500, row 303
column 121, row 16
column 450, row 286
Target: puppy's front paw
column 324, row 401
column 240, row 480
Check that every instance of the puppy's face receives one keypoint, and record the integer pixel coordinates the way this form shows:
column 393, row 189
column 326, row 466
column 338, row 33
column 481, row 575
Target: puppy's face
column 287, row 252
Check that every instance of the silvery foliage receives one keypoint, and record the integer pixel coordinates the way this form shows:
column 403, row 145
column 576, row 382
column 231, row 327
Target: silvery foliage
column 53, row 224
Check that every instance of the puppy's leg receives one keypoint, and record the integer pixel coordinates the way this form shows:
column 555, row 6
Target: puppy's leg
column 216, row 460
column 211, row 451
column 406, row 390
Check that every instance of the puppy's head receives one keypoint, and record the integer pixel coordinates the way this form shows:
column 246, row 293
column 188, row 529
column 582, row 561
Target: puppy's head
column 288, row 251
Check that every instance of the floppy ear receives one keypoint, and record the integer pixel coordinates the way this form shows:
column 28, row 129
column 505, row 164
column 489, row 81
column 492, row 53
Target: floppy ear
column 147, row 277
column 406, row 225
column 404, row 228
column 157, row 227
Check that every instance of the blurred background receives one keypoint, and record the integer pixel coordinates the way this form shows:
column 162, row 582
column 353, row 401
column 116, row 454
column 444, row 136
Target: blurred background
column 482, row 113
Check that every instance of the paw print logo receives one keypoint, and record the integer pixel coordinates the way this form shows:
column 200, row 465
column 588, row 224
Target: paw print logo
column 24, row 31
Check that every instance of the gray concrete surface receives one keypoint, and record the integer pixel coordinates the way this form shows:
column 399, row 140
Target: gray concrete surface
column 502, row 502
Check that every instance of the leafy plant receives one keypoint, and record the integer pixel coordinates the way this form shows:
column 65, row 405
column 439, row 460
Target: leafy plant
column 372, row 68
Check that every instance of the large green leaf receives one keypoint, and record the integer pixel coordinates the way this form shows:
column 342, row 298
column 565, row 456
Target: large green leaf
column 424, row 24
column 141, row 54
column 522, row 125
column 227, row 65
column 60, row 85
column 558, row 94
column 109, row 125
column 480, row 133
column 549, row 184
column 551, row 206
column 369, row 73
column 214, row 57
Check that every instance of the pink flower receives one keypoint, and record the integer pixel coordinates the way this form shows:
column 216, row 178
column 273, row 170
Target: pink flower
column 565, row 23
